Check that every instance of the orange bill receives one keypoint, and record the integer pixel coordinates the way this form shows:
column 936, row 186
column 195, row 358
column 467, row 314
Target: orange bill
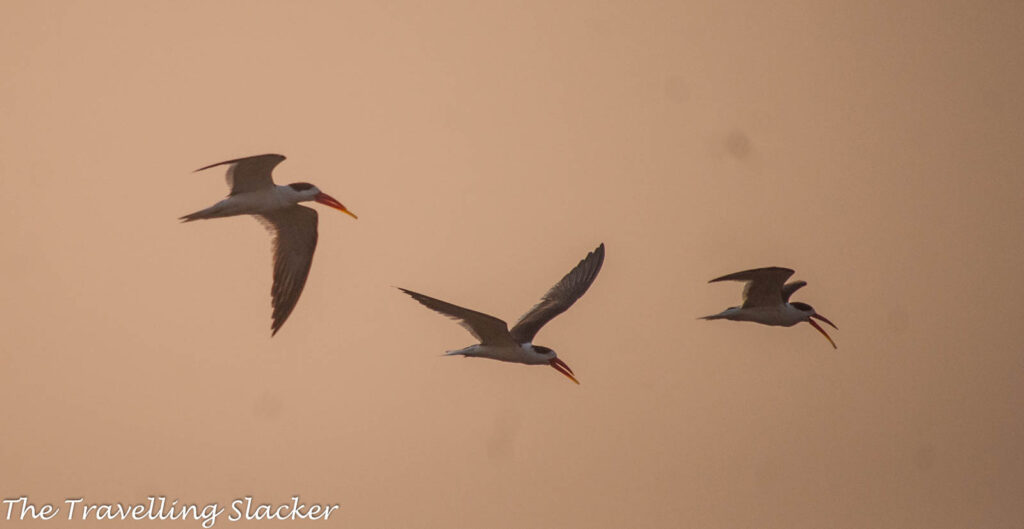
column 824, row 319
column 822, row 331
column 562, row 368
column 328, row 200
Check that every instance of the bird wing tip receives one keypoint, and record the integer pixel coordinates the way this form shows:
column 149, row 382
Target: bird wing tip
column 280, row 158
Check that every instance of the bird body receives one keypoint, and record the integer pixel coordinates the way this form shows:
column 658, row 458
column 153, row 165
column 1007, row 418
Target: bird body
column 766, row 300
column 781, row 315
column 294, row 227
column 498, row 342
column 254, row 202
column 524, row 353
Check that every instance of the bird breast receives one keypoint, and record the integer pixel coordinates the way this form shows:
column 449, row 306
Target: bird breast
column 783, row 315
column 259, row 201
column 505, row 353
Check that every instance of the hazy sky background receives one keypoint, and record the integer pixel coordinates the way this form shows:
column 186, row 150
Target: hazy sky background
column 875, row 147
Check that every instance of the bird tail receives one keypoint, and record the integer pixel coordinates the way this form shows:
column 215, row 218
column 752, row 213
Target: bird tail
column 465, row 351
column 712, row 317
column 192, row 216
column 214, row 211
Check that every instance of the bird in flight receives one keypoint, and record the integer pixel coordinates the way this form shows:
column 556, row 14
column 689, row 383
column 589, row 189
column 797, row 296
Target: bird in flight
column 292, row 226
column 766, row 300
column 499, row 343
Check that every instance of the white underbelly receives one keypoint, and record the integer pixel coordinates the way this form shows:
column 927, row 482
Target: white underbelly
column 781, row 316
column 256, row 202
column 510, row 353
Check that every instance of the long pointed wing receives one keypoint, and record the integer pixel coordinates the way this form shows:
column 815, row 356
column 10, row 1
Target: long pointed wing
column 789, row 288
column 295, row 234
column 560, row 297
column 249, row 174
column 488, row 329
column 764, row 285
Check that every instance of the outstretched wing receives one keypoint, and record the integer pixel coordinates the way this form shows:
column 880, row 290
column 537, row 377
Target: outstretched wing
column 295, row 232
column 488, row 329
column 789, row 288
column 560, row 297
column 764, row 285
column 249, row 174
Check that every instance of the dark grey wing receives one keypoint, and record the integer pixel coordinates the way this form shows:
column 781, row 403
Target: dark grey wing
column 764, row 285
column 488, row 329
column 249, row 174
column 560, row 297
column 294, row 231
column 789, row 288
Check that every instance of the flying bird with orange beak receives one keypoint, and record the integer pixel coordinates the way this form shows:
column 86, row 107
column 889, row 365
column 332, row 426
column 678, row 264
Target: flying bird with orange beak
column 766, row 300
column 497, row 342
column 293, row 227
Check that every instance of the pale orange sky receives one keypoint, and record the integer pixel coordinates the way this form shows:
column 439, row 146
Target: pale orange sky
column 486, row 147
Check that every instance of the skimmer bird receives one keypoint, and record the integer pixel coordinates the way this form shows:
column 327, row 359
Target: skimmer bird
column 499, row 343
column 766, row 300
column 276, row 207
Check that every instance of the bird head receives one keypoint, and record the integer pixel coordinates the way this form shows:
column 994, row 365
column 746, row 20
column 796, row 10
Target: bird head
column 810, row 315
column 548, row 356
column 305, row 192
